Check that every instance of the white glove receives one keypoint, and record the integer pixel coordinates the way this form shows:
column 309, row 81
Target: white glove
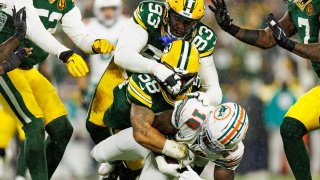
column 201, row 96
column 167, row 169
column 106, row 168
column 169, row 79
column 190, row 175
column 175, row 149
column 189, row 159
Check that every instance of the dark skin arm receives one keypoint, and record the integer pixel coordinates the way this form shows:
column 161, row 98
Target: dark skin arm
column 7, row 47
column 141, row 120
column 221, row 173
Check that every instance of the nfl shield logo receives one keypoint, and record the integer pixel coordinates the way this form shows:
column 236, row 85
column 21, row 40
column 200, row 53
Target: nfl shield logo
column 3, row 20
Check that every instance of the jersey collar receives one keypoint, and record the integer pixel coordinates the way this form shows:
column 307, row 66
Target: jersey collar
column 301, row 5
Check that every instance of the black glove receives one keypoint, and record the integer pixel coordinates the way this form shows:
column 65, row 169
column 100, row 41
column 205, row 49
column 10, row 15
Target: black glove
column 222, row 16
column 173, row 85
column 279, row 34
column 19, row 22
column 14, row 60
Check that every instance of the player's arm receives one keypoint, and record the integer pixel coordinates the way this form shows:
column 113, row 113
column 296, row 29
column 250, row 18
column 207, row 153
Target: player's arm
column 73, row 26
column 262, row 38
column 221, row 173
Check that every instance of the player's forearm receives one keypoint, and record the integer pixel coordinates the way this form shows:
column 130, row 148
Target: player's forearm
column 7, row 47
column 308, row 51
column 257, row 37
column 221, row 173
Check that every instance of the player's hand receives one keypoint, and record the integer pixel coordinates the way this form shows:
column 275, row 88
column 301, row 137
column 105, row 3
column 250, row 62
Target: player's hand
column 19, row 22
column 166, row 168
column 77, row 67
column 169, row 79
column 15, row 59
column 221, row 13
column 189, row 159
column 201, row 96
column 279, row 34
column 189, row 175
column 102, row 46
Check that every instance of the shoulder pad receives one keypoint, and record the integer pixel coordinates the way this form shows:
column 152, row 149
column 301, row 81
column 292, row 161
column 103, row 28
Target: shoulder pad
column 141, row 87
column 149, row 14
column 205, row 40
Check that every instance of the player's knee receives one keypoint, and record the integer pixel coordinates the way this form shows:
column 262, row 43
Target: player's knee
column 60, row 130
column 292, row 129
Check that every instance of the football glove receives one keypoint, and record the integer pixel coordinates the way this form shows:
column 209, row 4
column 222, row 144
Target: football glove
column 77, row 67
column 106, row 168
column 222, row 16
column 188, row 159
column 102, row 46
column 201, row 96
column 279, row 34
column 15, row 59
column 190, row 175
column 19, row 22
column 166, row 168
column 169, row 79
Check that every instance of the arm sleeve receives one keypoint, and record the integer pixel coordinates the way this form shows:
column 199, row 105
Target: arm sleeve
column 36, row 32
column 127, row 54
column 210, row 80
column 73, row 26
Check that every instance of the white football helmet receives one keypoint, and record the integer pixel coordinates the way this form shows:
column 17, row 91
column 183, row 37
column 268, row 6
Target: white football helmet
column 100, row 4
column 224, row 128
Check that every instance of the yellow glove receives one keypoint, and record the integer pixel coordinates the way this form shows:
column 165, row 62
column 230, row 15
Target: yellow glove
column 102, row 46
column 77, row 67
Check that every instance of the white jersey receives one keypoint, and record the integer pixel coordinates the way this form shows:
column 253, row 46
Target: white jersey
column 99, row 62
column 188, row 117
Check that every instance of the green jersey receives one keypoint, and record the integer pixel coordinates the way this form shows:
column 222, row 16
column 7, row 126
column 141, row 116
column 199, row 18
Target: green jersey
column 142, row 90
column 50, row 14
column 151, row 16
column 305, row 17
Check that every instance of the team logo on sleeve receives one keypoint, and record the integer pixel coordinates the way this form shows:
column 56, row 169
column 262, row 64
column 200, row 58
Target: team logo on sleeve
column 309, row 9
column 3, row 20
column 61, row 4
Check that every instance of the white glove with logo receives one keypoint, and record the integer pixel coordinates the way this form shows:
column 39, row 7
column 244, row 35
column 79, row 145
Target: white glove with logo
column 168, row 169
column 201, row 96
column 190, row 175
column 169, row 79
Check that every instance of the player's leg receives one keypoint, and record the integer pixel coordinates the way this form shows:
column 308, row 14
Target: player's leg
column 150, row 169
column 57, row 125
column 22, row 164
column 18, row 99
column 101, row 101
column 301, row 118
column 7, row 130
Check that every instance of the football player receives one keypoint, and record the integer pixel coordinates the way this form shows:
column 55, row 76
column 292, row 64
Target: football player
column 214, row 134
column 28, row 96
column 8, row 58
column 302, row 17
column 139, row 50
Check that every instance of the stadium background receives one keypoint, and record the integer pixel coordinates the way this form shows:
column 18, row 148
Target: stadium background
column 261, row 81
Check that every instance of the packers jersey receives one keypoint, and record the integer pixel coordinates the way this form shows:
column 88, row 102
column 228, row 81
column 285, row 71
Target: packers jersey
column 305, row 17
column 188, row 117
column 151, row 16
column 50, row 14
column 142, row 90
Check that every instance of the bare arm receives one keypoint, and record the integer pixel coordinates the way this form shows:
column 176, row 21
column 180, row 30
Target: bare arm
column 7, row 47
column 141, row 120
column 221, row 173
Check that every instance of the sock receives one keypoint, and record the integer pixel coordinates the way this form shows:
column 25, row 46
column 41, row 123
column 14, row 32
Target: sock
column 292, row 132
column 97, row 133
column 60, row 131
column 22, row 164
column 35, row 149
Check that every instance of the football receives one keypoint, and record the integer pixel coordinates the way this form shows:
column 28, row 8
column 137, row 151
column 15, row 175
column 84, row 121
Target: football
column 162, row 123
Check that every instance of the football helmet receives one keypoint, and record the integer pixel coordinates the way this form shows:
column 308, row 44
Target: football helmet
column 224, row 129
column 99, row 5
column 183, row 16
column 2, row 5
column 182, row 58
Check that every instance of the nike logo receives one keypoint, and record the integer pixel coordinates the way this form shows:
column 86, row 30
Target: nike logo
column 142, row 88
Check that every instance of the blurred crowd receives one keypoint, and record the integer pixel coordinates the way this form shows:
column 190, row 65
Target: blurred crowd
column 266, row 83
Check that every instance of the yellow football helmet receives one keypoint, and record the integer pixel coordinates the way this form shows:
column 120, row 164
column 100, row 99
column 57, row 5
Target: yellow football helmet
column 183, row 16
column 182, row 57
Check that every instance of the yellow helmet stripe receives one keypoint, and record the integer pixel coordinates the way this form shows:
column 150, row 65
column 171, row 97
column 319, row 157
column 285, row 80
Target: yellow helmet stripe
column 183, row 61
